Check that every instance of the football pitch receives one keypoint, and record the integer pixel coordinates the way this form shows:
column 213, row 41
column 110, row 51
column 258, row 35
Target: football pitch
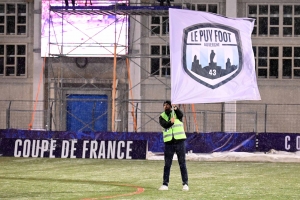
column 92, row 179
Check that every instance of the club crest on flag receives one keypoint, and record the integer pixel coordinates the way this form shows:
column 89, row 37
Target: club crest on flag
column 212, row 53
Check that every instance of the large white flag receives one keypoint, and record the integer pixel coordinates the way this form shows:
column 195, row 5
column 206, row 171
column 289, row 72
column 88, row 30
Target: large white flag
column 211, row 58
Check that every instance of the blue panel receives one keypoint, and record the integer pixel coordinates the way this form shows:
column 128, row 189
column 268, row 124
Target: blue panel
column 87, row 112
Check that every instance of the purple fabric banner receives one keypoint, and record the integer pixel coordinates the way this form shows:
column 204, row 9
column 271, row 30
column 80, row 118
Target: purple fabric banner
column 57, row 148
column 279, row 141
column 220, row 142
column 196, row 142
column 155, row 141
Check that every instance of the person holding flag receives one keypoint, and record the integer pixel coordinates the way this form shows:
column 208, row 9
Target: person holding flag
column 174, row 140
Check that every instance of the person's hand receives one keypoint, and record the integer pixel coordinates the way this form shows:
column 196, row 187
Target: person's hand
column 172, row 120
column 174, row 106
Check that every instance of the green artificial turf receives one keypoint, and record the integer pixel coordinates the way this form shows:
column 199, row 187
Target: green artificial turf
column 92, row 179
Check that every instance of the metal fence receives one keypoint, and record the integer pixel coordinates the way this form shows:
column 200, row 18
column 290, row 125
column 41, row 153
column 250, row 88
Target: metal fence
column 18, row 114
column 204, row 121
column 143, row 116
column 202, row 118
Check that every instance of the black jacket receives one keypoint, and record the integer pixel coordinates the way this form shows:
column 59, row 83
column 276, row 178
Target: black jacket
column 167, row 124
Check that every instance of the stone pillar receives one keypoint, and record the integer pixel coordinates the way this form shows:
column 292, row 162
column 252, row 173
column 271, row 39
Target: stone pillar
column 37, row 69
column 229, row 108
column 135, row 73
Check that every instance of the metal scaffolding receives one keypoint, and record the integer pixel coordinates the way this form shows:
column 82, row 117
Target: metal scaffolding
column 60, row 83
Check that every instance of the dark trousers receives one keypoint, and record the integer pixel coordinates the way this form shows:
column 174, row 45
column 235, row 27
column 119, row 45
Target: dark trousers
column 67, row 3
column 179, row 148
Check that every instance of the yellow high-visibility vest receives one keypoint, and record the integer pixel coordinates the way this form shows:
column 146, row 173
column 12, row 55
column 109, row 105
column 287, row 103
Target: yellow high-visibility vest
column 176, row 130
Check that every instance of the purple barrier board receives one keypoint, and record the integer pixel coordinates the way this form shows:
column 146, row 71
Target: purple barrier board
column 220, row 142
column 279, row 141
column 155, row 141
column 57, row 148
column 196, row 142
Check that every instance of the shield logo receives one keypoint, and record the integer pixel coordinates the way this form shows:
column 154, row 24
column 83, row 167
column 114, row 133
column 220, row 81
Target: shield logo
column 212, row 53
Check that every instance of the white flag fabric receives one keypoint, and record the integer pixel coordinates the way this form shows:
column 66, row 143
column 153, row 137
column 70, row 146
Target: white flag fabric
column 211, row 58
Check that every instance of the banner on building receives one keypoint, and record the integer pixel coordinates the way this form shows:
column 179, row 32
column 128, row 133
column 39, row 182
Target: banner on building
column 211, row 58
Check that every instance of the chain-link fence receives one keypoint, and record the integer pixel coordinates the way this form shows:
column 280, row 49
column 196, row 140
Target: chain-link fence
column 19, row 114
column 81, row 114
column 198, row 118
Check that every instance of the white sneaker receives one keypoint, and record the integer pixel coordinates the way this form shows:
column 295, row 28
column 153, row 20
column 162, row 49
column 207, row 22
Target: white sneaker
column 185, row 187
column 163, row 187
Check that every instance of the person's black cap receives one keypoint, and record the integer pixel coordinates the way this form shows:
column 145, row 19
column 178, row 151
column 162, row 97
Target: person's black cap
column 167, row 102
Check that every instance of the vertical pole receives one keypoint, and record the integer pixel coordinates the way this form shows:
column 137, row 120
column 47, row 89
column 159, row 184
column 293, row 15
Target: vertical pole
column 135, row 122
column 8, row 116
column 255, row 122
column 114, row 76
column 266, row 110
column 114, row 90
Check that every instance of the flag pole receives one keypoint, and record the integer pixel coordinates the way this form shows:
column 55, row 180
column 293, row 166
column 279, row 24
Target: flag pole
column 173, row 112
